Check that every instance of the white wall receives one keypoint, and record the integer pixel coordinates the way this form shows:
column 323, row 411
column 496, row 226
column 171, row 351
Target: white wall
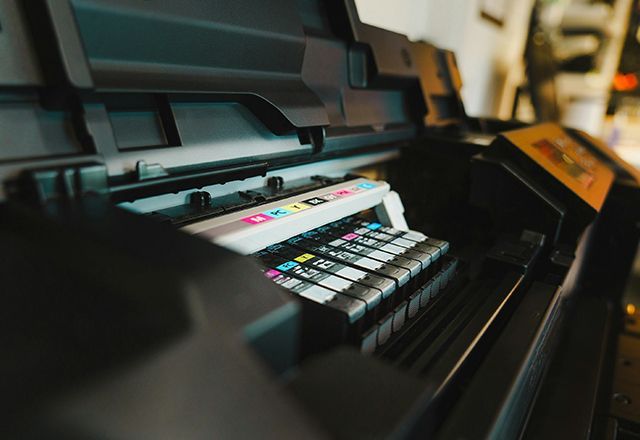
column 490, row 57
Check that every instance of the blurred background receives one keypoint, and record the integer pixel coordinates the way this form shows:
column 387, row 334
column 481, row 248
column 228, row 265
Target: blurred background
column 572, row 61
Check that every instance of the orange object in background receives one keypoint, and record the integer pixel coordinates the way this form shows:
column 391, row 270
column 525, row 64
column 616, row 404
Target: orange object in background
column 625, row 82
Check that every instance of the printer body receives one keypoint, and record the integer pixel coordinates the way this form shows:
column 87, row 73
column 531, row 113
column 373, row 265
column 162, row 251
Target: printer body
column 253, row 219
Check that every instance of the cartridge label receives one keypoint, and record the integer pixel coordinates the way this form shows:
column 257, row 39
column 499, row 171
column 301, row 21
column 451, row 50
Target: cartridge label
column 256, row 219
column 278, row 212
column 296, row 207
column 304, row 257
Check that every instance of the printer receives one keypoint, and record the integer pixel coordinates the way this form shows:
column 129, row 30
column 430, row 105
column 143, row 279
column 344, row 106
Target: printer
column 251, row 219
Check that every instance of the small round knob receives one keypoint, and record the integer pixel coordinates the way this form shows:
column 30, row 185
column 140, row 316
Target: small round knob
column 200, row 199
column 275, row 182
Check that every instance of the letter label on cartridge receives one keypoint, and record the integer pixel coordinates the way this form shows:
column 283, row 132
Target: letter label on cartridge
column 315, row 201
column 304, row 257
column 278, row 212
column 286, row 266
column 272, row 273
column 295, row 207
column 257, row 218
column 329, row 197
column 343, row 192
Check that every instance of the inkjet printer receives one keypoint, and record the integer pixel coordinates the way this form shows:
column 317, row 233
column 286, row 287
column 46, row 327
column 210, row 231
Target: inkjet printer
column 262, row 219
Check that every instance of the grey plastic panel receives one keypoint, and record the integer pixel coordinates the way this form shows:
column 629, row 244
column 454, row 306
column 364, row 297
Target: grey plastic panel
column 18, row 62
column 161, row 28
column 242, row 47
column 364, row 107
column 28, row 132
column 326, row 71
column 137, row 129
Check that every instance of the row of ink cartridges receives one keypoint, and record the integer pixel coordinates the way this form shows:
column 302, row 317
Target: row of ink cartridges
column 359, row 281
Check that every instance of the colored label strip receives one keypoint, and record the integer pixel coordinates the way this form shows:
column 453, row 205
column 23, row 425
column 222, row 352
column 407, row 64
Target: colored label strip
column 283, row 211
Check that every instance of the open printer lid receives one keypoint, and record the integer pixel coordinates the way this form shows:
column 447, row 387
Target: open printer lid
column 130, row 94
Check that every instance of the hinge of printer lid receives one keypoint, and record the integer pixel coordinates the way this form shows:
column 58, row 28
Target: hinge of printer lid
column 68, row 182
